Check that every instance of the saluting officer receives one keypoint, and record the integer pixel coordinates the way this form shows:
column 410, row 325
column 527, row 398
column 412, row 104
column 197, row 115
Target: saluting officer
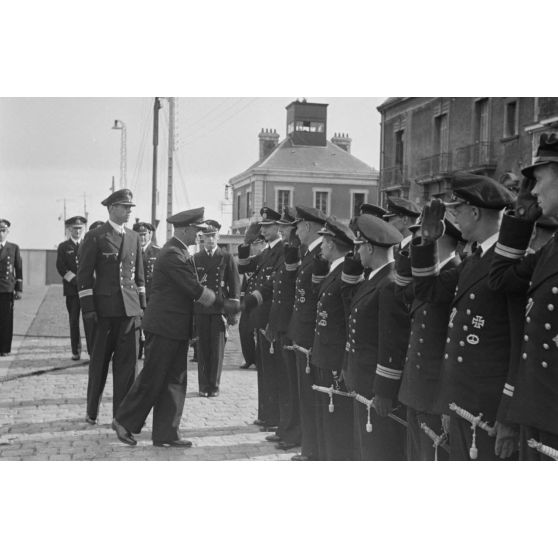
column 425, row 354
column 67, row 263
column 534, row 393
column 335, row 429
column 284, row 372
column 111, row 289
column 478, row 352
column 161, row 385
column 309, row 222
column 258, row 303
column 216, row 269
column 255, row 241
column 377, row 335
column 402, row 214
column 11, row 286
column 149, row 253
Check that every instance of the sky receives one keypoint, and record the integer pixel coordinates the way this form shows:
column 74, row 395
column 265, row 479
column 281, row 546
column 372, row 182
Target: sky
column 56, row 151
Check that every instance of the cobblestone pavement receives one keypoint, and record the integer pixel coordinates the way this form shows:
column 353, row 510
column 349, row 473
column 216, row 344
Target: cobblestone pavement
column 42, row 401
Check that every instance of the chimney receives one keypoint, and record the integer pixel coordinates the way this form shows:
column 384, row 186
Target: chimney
column 343, row 141
column 269, row 140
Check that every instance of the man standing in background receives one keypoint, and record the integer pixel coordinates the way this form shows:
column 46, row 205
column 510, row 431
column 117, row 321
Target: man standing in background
column 216, row 270
column 11, row 286
column 67, row 263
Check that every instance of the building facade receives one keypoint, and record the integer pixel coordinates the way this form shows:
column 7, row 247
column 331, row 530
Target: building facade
column 425, row 139
column 303, row 169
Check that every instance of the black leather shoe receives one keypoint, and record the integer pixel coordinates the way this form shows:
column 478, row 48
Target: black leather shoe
column 300, row 457
column 259, row 422
column 173, row 444
column 214, row 393
column 204, row 394
column 90, row 420
column 76, row 356
column 273, row 438
column 245, row 366
column 286, row 445
column 123, row 435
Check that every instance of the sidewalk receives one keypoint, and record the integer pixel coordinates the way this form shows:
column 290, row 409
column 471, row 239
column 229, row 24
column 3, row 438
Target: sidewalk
column 42, row 401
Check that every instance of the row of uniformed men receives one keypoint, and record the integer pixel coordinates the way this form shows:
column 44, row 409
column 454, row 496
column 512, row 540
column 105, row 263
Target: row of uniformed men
column 412, row 346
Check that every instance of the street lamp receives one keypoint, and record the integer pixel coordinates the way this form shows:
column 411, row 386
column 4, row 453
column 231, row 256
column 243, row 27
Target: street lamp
column 119, row 125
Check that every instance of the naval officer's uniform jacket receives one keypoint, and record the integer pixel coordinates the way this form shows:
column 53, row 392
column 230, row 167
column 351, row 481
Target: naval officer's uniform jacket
column 377, row 336
column 149, row 256
column 533, row 390
column 11, row 280
column 478, row 352
column 110, row 282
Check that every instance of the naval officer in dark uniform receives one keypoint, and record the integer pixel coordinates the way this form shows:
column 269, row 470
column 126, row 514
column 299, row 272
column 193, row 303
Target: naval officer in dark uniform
column 111, row 289
column 533, row 392
column 258, row 303
column 66, row 265
column 402, row 214
column 11, row 286
column 309, row 222
column 479, row 350
column 149, row 253
column 335, row 426
column 425, row 353
column 377, row 336
column 217, row 270
column 167, row 322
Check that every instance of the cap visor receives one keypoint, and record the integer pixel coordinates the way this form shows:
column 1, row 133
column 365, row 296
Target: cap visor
column 528, row 171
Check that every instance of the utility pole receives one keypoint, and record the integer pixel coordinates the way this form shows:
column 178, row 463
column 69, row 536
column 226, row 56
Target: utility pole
column 171, row 101
column 156, row 108
column 119, row 125
column 112, row 185
column 85, row 206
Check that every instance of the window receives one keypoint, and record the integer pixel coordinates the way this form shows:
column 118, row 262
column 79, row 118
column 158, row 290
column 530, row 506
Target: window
column 441, row 134
column 309, row 126
column 238, row 199
column 399, row 148
column 510, row 119
column 283, row 199
column 481, row 120
column 321, row 201
column 358, row 198
column 248, row 204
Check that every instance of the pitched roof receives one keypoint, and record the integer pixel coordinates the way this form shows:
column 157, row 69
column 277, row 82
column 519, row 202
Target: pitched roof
column 290, row 157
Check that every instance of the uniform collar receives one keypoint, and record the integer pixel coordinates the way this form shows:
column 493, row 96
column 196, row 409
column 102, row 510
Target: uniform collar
column 118, row 228
column 444, row 262
column 488, row 243
column 376, row 271
column 274, row 243
column 185, row 246
column 406, row 241
column 146, row 246
column 336, row 263
column 314, row 243
column 211, row 252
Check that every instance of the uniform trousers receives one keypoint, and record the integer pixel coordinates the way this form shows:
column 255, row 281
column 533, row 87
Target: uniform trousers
column 461, row 439
column 386, row 442
column 74, row 310
column 6, row 321
column 211, row 349
column 335, row 428
column 268, row 385
column 247, row 340
column 160, row 386
column 289, row 410
column 531, row 454
column 115, row 338
column 419, row 446
column 308, row 410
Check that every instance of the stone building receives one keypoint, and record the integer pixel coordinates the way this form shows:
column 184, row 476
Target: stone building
column 425, row 139
column 304, row 168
